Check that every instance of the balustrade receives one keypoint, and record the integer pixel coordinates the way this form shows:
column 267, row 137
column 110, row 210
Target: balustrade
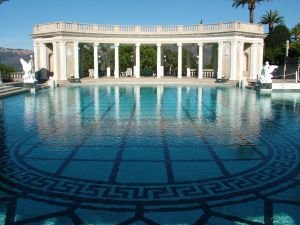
column 172, row 29
column 11, row 77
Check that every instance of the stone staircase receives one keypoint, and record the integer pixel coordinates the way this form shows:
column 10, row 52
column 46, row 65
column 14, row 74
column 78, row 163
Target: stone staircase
column 6, row 90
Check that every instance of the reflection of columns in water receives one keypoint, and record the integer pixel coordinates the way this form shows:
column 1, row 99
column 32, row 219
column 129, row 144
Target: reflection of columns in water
column 188, row 89
column 77, row 100
column 218, row 106
column 64, row 99
column 179, row 102
column 117, row 103
column 252, row 113
column 108, row 90
column 234, row 116
column 29, row 103
column 266, row 106
column 137, row 95
column 159, row 94
column 97, row 102
column 199, row 111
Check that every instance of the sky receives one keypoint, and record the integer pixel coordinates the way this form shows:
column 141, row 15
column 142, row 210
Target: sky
column 17, row 17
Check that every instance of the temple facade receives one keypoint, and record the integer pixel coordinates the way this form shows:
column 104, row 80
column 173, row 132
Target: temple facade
column 240, row 47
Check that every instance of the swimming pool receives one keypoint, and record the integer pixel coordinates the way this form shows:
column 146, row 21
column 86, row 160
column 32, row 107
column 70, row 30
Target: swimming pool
column 150, row 155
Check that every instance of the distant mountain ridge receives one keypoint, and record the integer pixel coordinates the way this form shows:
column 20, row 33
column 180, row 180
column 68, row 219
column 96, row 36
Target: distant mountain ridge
column 10, row 56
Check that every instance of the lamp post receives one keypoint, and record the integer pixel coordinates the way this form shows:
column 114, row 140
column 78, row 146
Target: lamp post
column 165, row 63
column 286, row 56
column 99, row 67
column 132, row 62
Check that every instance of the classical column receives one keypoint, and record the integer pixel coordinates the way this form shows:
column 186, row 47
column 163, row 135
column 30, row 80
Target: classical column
column 220, row 60
column 76, row 60
column 137, row 60
column 36, row 56
column 158, row 61
column 200, row 61
column 179, row 75
column 116, row 73
column 253, row 69
column 43, row 61
column 55, row 61
column 233, row 60
column 261, row 57
column 63, row 61
column 96, row 45
column 241, row 61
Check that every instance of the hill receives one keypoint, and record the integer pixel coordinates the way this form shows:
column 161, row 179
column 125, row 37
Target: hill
column 12, row 57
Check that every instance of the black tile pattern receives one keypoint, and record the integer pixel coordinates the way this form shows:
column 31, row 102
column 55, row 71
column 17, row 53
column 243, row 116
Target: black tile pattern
column 276, row 172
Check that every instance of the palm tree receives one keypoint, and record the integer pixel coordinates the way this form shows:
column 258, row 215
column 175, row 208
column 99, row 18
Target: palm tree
column 271, row 18
column 251, row 6
column 296, row 30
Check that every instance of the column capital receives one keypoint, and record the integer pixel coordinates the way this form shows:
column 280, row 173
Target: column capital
column 117, row 44
column 200, row 44
column 54, row 43
column 179, row 44
column 137, row 44
column 63, row 42
column 220, row 43
column 158, row 44
column 75, row 42
column 233, row 42
column 96, row 44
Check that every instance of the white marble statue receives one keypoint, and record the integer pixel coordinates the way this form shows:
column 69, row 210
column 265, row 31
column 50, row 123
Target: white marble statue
column 28, row 73
column 266, row 76
column 51, row 82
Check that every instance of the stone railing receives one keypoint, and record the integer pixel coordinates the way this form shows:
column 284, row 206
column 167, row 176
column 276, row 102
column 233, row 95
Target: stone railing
column 147, row 29
column 12, row 77
column 208, row 73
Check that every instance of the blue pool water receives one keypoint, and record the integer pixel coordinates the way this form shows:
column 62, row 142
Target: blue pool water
column 150, row 155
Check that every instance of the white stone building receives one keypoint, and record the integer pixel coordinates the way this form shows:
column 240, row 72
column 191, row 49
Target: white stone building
column 240, row 46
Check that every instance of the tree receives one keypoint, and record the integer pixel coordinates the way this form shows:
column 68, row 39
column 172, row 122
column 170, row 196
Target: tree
column 271, row 18
column 294, row 50
column 6, row 69
column 275, row 44
column 251, row 6
column 148, row 60
column 296, row 30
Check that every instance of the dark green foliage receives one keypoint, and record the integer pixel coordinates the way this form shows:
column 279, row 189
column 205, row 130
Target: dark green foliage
column 86, row 58
column 278, row 36
column 126, row 57
column 6, row 68
column 171, row 62
column 148, row 60
column 275, row 45
column 294, row 50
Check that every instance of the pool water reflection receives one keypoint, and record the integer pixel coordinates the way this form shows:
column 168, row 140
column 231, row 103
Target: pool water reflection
column 150, row 155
